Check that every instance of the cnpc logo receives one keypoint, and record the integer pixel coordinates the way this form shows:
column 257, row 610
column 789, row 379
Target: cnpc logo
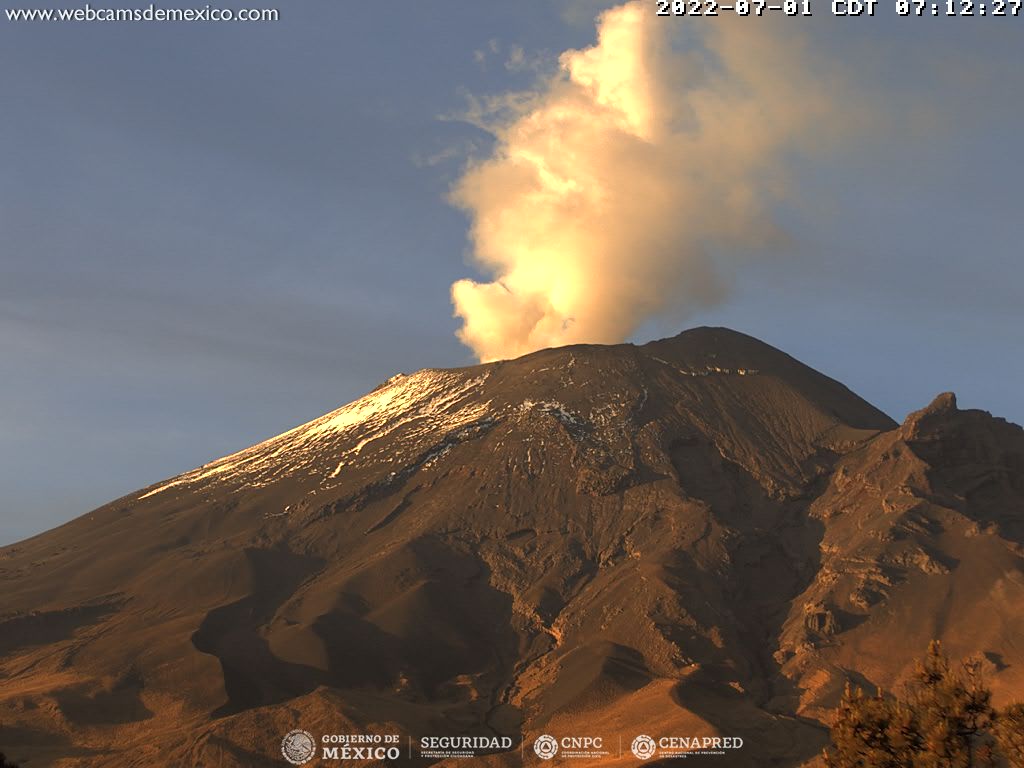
column 547, row 746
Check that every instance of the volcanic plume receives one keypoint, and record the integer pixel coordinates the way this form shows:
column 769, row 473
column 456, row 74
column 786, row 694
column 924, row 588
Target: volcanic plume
column 623, row 187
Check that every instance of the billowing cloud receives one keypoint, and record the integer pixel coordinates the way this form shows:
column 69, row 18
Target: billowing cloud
column 615, row 189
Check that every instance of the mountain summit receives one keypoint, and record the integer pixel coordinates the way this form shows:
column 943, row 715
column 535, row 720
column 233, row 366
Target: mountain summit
column 696, row 536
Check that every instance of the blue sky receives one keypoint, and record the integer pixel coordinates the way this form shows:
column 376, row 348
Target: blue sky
column 214, row 232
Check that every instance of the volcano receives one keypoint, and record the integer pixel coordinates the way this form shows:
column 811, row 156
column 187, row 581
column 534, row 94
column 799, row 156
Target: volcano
column 696, row 537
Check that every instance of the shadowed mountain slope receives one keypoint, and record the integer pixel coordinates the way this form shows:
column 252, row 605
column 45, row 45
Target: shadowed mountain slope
column 699, row 535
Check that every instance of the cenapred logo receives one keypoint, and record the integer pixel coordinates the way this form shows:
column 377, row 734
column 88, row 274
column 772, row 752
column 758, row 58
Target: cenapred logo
column 546, row 747
column 298, row 747
column 643, row 747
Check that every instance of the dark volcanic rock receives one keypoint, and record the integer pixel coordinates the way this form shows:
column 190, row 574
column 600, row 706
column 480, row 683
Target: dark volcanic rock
column 694, row 536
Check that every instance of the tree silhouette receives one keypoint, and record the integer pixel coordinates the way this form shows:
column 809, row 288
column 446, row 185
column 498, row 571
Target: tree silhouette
column 872, row 732
column 946, row 721
column 956, row 713
column 1010, row 734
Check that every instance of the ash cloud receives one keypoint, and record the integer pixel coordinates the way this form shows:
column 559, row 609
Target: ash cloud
column 618, row 186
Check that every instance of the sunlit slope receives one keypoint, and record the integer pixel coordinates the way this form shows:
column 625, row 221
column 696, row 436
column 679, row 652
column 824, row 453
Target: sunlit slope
column 625, row 534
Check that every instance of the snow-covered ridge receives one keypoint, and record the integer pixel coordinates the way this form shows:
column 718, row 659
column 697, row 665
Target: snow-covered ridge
column 416, row 412
column 425, row 403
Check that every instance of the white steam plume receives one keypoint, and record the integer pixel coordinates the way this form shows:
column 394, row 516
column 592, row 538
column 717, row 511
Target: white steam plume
column 611, row 186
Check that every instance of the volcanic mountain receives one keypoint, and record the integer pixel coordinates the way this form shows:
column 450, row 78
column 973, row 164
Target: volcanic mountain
column 696, row 536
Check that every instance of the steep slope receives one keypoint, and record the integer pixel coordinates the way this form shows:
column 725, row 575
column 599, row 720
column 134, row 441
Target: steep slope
column 924, row 528
column 621, row 536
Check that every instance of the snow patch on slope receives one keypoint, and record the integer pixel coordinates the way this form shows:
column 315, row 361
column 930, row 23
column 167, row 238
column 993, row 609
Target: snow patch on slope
column 709, row 370
column 426, row 403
